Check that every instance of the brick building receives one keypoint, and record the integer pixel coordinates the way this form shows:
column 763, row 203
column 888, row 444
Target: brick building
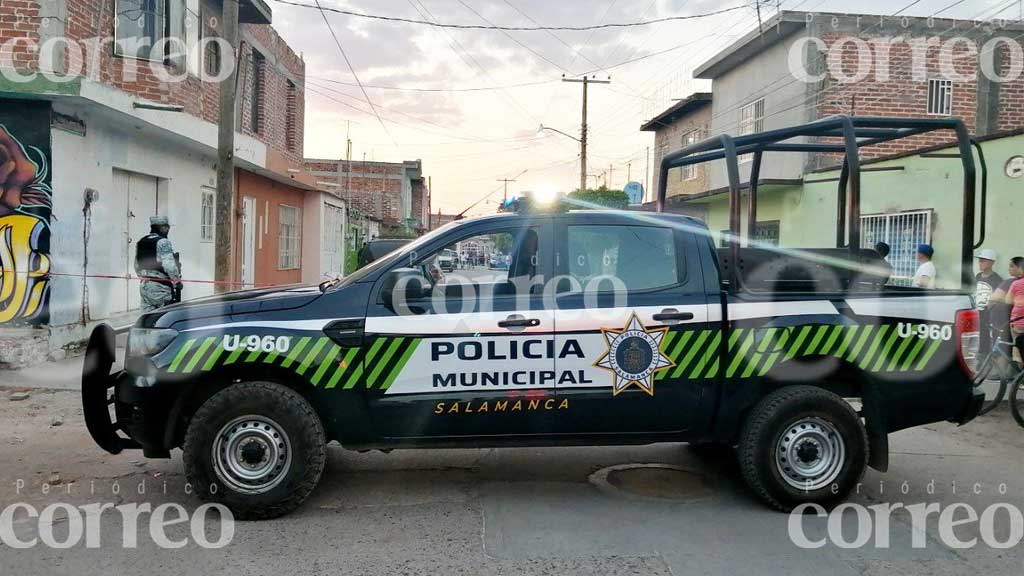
column 122, row 128
column 684, row 123
column 396, row 193
column 802, row 66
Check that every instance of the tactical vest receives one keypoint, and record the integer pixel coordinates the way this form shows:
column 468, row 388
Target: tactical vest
column 145, row 255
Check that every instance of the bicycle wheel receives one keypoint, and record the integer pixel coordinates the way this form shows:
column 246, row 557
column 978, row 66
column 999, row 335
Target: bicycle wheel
column 1017, row 399
column 991, row 365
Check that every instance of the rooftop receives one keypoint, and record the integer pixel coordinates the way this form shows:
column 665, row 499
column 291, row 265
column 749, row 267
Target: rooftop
column 693, row 102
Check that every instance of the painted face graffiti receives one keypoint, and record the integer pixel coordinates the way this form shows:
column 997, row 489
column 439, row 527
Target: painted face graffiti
column 25, row 204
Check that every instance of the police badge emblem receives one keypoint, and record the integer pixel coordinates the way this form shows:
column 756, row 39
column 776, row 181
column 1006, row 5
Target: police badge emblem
column 634, row 355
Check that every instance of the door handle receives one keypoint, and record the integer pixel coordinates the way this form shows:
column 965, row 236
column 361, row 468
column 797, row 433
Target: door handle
column 517, row 321
column 673, row 314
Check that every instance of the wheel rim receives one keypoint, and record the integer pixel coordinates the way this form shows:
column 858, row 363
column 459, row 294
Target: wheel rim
column 810, row 454
column 252, row 454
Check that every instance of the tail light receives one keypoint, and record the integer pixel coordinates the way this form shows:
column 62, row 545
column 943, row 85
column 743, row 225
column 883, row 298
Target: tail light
column 966, row 332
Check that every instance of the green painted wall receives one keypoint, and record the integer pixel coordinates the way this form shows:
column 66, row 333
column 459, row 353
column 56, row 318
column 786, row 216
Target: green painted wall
column 807, row 213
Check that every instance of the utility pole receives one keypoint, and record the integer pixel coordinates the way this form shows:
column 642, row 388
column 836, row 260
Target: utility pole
column 608, row 182
column 647, row 170
column 583, row 126
column 224, row 212
column 629, row 171
column 506, row 181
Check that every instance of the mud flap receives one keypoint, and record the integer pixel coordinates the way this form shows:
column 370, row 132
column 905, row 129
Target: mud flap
column 97, row 386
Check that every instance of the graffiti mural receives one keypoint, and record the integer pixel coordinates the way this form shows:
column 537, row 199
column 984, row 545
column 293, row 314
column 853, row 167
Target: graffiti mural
column 26, row 203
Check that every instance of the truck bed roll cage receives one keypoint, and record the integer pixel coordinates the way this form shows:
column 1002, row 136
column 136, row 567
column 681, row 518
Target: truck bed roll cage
column 856, row 132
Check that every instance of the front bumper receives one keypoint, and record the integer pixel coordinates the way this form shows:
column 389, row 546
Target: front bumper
column 139, row 417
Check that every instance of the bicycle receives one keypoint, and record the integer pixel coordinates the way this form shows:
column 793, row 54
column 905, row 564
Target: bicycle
column 999, row 362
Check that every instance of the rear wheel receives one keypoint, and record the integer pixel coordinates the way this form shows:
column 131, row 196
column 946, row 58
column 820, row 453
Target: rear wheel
column 256, row 447
column 802, row 444
column 1017, row 399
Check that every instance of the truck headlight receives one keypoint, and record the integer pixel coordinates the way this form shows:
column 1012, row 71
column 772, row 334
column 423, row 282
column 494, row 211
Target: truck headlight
column 149, row 341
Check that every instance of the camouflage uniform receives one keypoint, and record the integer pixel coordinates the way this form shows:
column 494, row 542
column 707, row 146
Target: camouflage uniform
column 157, row 294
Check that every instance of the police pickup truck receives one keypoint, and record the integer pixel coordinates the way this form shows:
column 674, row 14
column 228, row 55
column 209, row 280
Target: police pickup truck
column 606, row 327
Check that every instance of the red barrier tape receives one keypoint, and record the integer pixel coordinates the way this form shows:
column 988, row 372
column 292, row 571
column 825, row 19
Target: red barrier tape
column 139, row 278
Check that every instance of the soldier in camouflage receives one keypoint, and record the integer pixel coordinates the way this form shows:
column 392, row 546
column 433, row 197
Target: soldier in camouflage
column 156, row 264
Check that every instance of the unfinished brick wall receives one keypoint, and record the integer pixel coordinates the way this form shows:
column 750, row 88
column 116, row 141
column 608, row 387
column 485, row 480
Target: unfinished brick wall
column 669, row 139
column 374, row 188
column 91, row 23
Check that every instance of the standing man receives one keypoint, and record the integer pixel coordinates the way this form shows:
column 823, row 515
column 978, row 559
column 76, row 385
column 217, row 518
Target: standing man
column 157, row 265
column 986, row 282
column 925, row 275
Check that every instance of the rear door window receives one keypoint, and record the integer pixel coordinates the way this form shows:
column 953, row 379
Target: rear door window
column 641, row 257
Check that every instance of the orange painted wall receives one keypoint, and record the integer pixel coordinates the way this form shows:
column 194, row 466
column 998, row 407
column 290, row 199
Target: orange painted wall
column 269, row 196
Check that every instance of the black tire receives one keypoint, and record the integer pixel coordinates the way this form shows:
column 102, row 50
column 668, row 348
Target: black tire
column 776, row 419
column 302, row 451
column 1017, row 400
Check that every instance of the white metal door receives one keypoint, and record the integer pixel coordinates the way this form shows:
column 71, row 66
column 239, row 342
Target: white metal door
column 333, row 245
column 142, row 203
column 248, row 241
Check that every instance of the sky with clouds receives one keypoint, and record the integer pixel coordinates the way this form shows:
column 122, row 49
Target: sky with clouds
column 469, row 139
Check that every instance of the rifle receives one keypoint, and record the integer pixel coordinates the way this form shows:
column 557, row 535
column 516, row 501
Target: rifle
column 176, row 288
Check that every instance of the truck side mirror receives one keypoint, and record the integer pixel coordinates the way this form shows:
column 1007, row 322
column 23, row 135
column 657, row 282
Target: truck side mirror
column 401, row 285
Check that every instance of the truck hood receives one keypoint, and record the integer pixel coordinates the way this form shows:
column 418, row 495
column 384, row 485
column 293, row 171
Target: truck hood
column 231, row 303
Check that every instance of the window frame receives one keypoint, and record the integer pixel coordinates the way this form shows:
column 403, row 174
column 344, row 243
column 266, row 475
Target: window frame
column 940, row 93
column 683, row 276
column 258, row 64
column 281, row 237
column 537, row 226
column 204, row 226
column 163, row 25
column 688, row 173
column 753, row 124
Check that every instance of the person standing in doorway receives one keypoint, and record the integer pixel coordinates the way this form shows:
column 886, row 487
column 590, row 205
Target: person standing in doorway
column 157, row 265
column 925, row 275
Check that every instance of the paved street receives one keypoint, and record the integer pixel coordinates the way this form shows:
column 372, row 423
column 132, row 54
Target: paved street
column 508, row 511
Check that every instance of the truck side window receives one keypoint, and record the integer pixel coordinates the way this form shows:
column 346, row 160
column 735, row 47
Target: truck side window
column 493, row 258
column 642, row 257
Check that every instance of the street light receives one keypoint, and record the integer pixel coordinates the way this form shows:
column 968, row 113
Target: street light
column 543, row 128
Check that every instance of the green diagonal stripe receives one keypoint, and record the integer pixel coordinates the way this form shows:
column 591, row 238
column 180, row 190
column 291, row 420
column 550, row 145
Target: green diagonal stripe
column 783, row 338
column 795, row 346
column 326, row 363
column 320, row 343
column 354, row 378
column 864, row 334
column 711, row 350
column 383, row 362
column 865, row 362
column 181, row 355
column 928, row 355
column 913, row 355
column 199, row 354
column 740, row 355
column 690, row 354
column 899, row 353
column 849, row 334
column 827, row 346
column 818, row 335
column 344, row 365
column 673, row 354
column 294, row 354
column 212, row 360
column 885, row 351
column 234, row 355
column 401, row 364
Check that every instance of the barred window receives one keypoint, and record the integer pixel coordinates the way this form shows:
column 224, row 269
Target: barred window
column 940, row 97
column 289, row 240
column 751, row 122
column 689, row 172
column 206, row 217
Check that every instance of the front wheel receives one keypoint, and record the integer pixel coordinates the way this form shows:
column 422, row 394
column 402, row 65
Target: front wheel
column 1017, row 399
column 256, row 447
column 800, row 445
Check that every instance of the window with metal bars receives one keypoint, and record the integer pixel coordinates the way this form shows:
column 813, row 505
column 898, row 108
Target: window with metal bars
column 289, row 237
column 903, row 232
column 689, row 172
column 940, row 97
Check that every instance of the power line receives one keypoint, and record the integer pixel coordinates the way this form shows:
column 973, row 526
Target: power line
column 353, row 71
column 513, row 38
column 513, row 28
column 421, row 89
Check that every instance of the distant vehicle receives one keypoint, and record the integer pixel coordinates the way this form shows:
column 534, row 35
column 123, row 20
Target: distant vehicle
column 381, row 247
column 498, row 261
column 446, row 260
